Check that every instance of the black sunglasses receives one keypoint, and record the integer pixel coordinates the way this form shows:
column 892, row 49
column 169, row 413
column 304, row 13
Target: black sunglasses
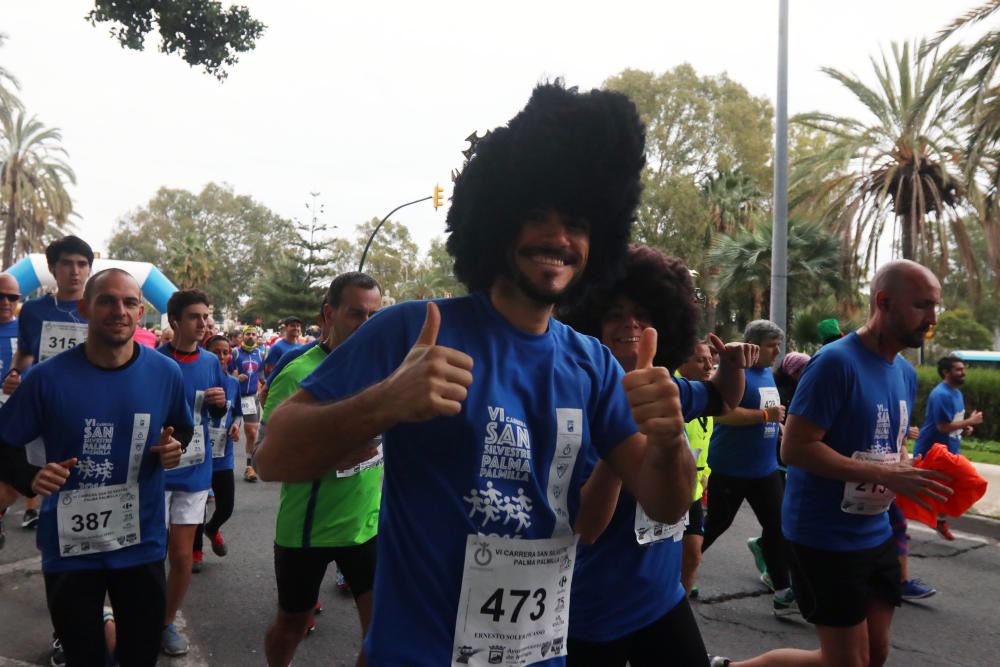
column 13, row 298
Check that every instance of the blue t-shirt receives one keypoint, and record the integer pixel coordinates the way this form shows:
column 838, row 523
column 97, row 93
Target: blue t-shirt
column 279, row 348
column 944, row 405
column 287, row 358
column 443, row 477
column 233, row 410
column 94, row 414
column 199, row 374
column 35, row 312
column 250, row 364
column 748, row 452
column 645, row 578
column 863, row 402
column 8, row 345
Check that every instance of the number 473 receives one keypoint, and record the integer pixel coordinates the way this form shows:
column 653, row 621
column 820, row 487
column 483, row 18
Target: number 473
column 494, row 604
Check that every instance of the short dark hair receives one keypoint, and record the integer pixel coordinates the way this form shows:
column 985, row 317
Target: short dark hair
column 945, row 364
column 662, row 285
column 88, row 289
column 349, row 279
column 215, row 339
column 181, row 299
column 68, row 245
column 580, row 154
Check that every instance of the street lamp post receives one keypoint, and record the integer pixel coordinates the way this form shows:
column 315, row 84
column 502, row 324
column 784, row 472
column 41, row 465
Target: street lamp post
column 779, row 240
column 364, row 255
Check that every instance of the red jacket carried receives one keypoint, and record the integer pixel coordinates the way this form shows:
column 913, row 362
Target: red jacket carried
column 967, row 484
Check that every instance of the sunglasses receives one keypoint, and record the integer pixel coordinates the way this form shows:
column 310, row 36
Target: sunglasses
column 13, row 298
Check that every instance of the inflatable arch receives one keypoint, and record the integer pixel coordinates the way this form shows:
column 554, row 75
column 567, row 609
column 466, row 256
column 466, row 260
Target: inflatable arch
column 32, row 272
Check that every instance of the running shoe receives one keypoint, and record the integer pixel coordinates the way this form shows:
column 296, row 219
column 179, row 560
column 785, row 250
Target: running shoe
column 172, row 642
column 196, row 562
column 717, row 661
column 784, row 603
column 753, row 544
column 943, row 529
column 30, row 519
column 57, row 658
column 914, row 589
column 249, row 475
column 218, row 544
column 766, row 580
column 342, row 583
column 3, row 533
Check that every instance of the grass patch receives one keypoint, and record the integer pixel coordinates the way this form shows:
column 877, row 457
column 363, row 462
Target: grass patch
column 981, row 451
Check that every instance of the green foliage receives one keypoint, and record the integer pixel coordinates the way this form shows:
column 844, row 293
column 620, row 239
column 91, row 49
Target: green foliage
column 981, row 451
column 957, row 329
column 392, row 257
column 434, row 277
column 697, row 127
column 34, row 203
column 202, row 31
column 981, row 391
column 284, row 289
column 892, row 166
column 236, row 235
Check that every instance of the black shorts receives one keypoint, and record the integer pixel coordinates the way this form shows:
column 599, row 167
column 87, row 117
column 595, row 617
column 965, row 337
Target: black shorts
column 833, row 588
column 696, row 519
column 300, row 571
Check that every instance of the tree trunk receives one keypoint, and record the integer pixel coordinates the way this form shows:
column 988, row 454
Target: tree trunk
column 758, row 302
column 10, row 227
column 906, row 237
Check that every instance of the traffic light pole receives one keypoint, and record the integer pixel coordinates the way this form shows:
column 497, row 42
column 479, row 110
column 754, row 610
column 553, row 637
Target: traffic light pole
column 364, row 255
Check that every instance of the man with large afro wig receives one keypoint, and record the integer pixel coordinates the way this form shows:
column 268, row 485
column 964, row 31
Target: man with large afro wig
column 489, row 408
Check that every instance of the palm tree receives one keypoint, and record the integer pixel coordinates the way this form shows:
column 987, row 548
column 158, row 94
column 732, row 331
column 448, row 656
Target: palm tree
column 744, row 261
column 8, row 84
column 732, row 198
column 897, row 165
column 33, row 174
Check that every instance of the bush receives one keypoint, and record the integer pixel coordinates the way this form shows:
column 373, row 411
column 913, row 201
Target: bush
column 958, row 330
column 981, row 391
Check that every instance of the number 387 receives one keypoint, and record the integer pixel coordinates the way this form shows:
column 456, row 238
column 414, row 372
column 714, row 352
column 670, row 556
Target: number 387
column 494, row 605
column 90, row 521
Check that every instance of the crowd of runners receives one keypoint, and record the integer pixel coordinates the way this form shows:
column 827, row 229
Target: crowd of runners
column 554, row 453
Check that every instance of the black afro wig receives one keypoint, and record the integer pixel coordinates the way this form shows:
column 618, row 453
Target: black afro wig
column 661, row 284
column 580, row 154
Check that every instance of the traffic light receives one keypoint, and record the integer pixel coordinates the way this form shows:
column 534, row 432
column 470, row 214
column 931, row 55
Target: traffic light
column 438, row 197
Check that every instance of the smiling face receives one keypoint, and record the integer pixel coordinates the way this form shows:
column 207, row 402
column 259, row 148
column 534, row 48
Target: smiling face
column 221, row 349
column 620, row 330
column 113, row 310
column 549, row 255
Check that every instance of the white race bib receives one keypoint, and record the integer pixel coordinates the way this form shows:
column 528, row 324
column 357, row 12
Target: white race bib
column 373, row 462
column 248, row 404
column 957, row 433
column 195, row 452
column 104, row 518
column 514, row 607
column 769, row 398
column 60, row 336
column 648, row 531
column 218, row 436
column 864, row 497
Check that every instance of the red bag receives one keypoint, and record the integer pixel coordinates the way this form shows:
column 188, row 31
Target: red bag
column 967, row 484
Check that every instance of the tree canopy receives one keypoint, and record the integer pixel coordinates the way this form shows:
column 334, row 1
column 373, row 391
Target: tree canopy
column 203, row 32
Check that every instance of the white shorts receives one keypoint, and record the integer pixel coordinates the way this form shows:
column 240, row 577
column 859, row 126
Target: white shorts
column 186, row 508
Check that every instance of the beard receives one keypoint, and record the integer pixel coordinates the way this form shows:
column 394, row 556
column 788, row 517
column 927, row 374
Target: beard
column 542, row 295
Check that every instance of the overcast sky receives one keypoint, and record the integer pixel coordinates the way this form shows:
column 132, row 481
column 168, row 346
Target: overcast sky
column 368, row 103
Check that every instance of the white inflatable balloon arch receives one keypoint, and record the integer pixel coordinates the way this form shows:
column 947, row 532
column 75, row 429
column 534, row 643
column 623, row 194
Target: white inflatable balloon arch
column 32, row 272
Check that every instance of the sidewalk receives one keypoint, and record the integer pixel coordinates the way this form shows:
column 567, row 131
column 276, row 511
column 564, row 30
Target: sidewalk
column 989, row 504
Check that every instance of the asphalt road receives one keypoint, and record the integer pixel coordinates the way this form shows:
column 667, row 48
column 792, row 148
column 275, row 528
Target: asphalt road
column 232, row 601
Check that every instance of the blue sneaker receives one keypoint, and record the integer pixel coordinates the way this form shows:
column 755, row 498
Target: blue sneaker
column 172, row 642
column 914, row 589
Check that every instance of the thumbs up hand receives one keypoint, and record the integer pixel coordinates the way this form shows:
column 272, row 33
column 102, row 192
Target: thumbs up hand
column 652, row 394
column 738, row 355
column 433, row 380
column 168, row 448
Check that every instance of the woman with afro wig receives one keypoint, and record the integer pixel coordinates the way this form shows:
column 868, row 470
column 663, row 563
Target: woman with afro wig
column 647, row 620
